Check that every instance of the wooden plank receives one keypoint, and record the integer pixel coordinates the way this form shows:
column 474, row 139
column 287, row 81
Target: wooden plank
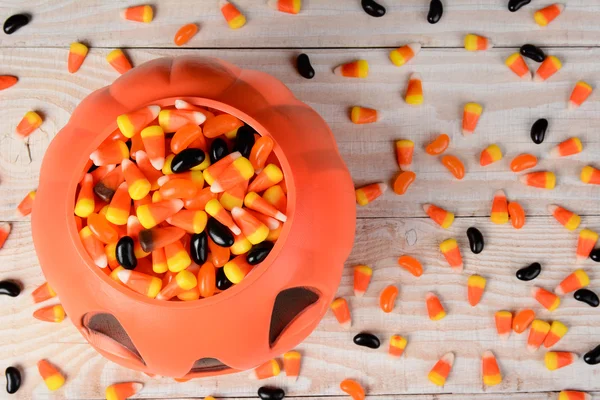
column 321, row 23
column 329, row 355
column 451, row 78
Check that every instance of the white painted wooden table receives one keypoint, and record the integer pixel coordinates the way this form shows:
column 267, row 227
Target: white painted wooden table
column 331, row 32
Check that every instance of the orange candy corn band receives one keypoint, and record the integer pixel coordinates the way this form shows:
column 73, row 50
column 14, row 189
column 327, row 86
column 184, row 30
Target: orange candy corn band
column 585, row 244
column 50, row 314
column 557, row 331
column 362, row 277
column 476, row 286
column 118, row 61
column 451, row 252
column 404, row 54
column 569, row 147
column 517, row 64
column 366, row 194
column 30, row 122
column 559, row 359
column 122, row 391
column 77, row 53
column 7, row 81
column 537, row 334
column 142, row 13
column 291, row 364
column 354, row 69
column 471, row 115
column 440, row 216
column 491, row 375
column 235, row 19
column 490, row 155
column 52, row 377
column 542, row 180
column 286, row 6
column 267, row 370
column 477, row 43
column 397, row 346
column 499, row 214
column 435, row 309
column 590, row 175
column 574, row 281
column 579, row 95
column 43, row 293
column 567, row 218
column 341, row 311
column 504, row 323
column 549, row 300
column 547, row 14
column 414, row 90
column 362, row 115
column 547, row 68
column 573, row 395
column 440, row 371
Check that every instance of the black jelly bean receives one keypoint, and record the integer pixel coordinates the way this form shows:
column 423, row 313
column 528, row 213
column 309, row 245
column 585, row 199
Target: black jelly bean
column 125, row 254
column 588, row 297
column 475, row 240
column 244, row 140
column 538, row 130
column 258, row 253
column 270, row 393
column 595, row 255
column 592, row 357
column 10, row 288
column 515, row 5
column 530, row 272
column 222, row 282
column 187, row 159
column 219, row 233
column 532, row 52
column 15, row 22
column 199, row 247
column 304, row 67
column 367, row 340
column 436, row 9
column 13, row 380
column 373, row 8
column 218, row 150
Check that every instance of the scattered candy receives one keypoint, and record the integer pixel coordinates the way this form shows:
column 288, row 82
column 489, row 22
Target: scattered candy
column 373, row 8
column 515, row 5
column 414, row 90
column 362, row 277
column 235, row 19
column 29, row 123
column 592, row 357
column 439, row 145
column 50, row 314
column 532, row 52
column 590, row 175
column 185, row 34
column 124, row 390
column 490, row 155
column 579, row 95
column 477, row 43
column 354, row 69
column 362, row 115
column 267, row 370
column 291, row 364
column 567, row 148
column 522, row 320
column 403, row 181
column 516, row 214
column 9, row 288
column 559, row 359
column 7, row 81
column 595, row 255
column 435, row 309
column 353, row 388
column 341, row 312
column 542, row 179
column 440, row 371
column 411, row 264
column 43, row 293
column 50, row 374
column 530, row 272
column 476, row 241
column 404, row 153
column 440, row 216
column 366, row 194
column 538, row 130
column 585, row 244
column 557, row 331
column 523, row 162
column 575, row 281
column 286, row 6
column 567, row 218
column 13, row 380
column 142, row 13
column 365, row 339
column 588, row 297
column 504, row 323
column 305, row 69
column 4, row 232
column 490, row 371
column 397, row 346
column 404, row 54
column 499, row 214
column 471, row 114
column 270, row 393
column 517, row 64
column 547, row 14
column 454, row 165
column 118, row 61
column 77, row 53
column 15, row 22
column 451, row 252
column 476, row 286
column 537, row 334
column 549, row 300
column 387, row 298
column 573, row 395
column 25, row 206
column 436, row 10
column 547, row 68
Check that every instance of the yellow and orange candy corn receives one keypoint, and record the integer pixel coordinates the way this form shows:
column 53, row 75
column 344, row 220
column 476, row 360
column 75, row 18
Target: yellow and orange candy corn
column 118, row 61
column 7, row 81
column 177, row 256
column 435, row 309
column 404, row 54
column 252, row 228
column 237, row 269
column 590, row 175
column 124, row 390
column 77, row 53
column 547, row 14
column 573, row 395
column 173, row 120
column 138, row 185
column 516, row 214
column 549, row 300
column 547, row 68
column 192, row 221
column 414, row 90
column 504, row 323
column 51, row 375
column 517, row 64
column 269, row 176
column 490, row 155
column 575, row 281
column 153, row 214
column 120, row 206
column 523, row 162
column 585, row 244
column 387, row 298
column 254, row 202
column 234, row 197
column 235, row 19
column 368, row 193
column 50, row 314
column 567, row 148
column 451, row 252
column 541, row 179
column 354, row 69
column 362, row 277
column 439, row 145
column 267, row 370
column 411, row 264
column 144, row 284
column 567, row 218
column 353, row 389
column 211, row 173
column 43, row 293
column 291, row 364
column 216, row 210
column 183, row 281
column 557, row 331
column 276, row 196
column 522, row 320
column 260, row 152
column 185, row 34
column 132, row 123
column 397, row 346
column 476, row 286
column 159, row 261
column 363, row 115
column 93, row 246
column 286, row 6
column 110, row 152
column 559, row 359
column 25, row 206
column 440, row 371
column 402, row 181
column 490, row 371
column 477, row 43
column 537, row 334
column 471, row 114
column 341, row 311
column 141, row 13
column 85, row 203
column 499, row 214
column 454, row 165
column 404, row 153
column 241, row 170
column 30, row 122
column 440, row 216
column 579, row 95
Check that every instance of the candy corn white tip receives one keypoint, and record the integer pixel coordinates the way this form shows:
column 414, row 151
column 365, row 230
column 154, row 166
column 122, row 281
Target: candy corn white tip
column 216, row 188
column 292, row 379
column 559, row 291
column 572, row 105
column 504, row 336
column 527, row 77
column 580, row 259
column 499, row 193
column 449, row 358
column 415, row 76
column 359, row 293
column 405, row 167
column 158, row 164
column 235, row 230
column 538, row 78
column 458, row 268
column 467, row 132
column 181, row 104
column 198, row 117
column 223, row 3
column 415, row 47
column 552, row 208
column 124, row 275
column 162, row 180
column 280, row 216
column 383, row 187
column 101, row 261
column 532, row 349
column 154, row 109
column 488, row 354
column 338, row 70
column 426, row 207
column 346, row 325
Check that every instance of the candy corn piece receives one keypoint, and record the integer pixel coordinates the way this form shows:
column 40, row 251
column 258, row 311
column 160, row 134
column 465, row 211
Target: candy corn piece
column 477, row 43
column 451, row 252
column 51, row 375
column 558, row 359
column 471, row 114
column 237, row 269
column 211, row 173
column 362, row 277
column 77, row 53
column 153, row 214
column 585, row 244
column 85, row 204
column 567, row 148
column 575, row 281
column 490, row 371
column 216, row 210
column 440, row 371
column 124, row 390
column 192, row 221
column 590, row 175
column 549, row 300
column 291, row 364
column 476, row 286
column 235, row 19
column 368, row 193
column 522, row 320
column 30, row 122
column 7, row 81
column 573, row 395
column 275, row 196
column 499, row 213
column 50, row 314
column 354, row 69
column 404, row 153
column 43, row 293
column 254, row 202
column 517, row 64
column 142, row 13
column 490, row 155
column 120, row 206
column 537, row 334
column 132, row 123
column 241, row 170
column 440, row 216
column 362, row 115
column 159, row 261
column 146, row 285
column 111, row 152
column 567, row 218
column 546, row 15
column 286, row 6
column 106, row 187
column 557, row 331
column 435, row 309
column 397, row 346
column 503, row 321
column 542, row 179
column 547, row 68
column 173, row 120
column 138, row 185
column 183, row 281
column 253, row 229
column 579, row 95
column 341, row 311
column 177, row 256
column 118, row 61
column 267, row 370
column 414, row 90
column 404, row 54
column 269, row 176
column 25, row 206
column 93, row 246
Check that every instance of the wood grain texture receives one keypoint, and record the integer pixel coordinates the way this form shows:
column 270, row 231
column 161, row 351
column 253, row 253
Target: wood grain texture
column 451, row 78
column 329, row 354
column 321, row 23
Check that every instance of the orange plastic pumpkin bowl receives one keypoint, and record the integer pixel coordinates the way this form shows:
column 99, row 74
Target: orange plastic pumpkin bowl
column 277, row 305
